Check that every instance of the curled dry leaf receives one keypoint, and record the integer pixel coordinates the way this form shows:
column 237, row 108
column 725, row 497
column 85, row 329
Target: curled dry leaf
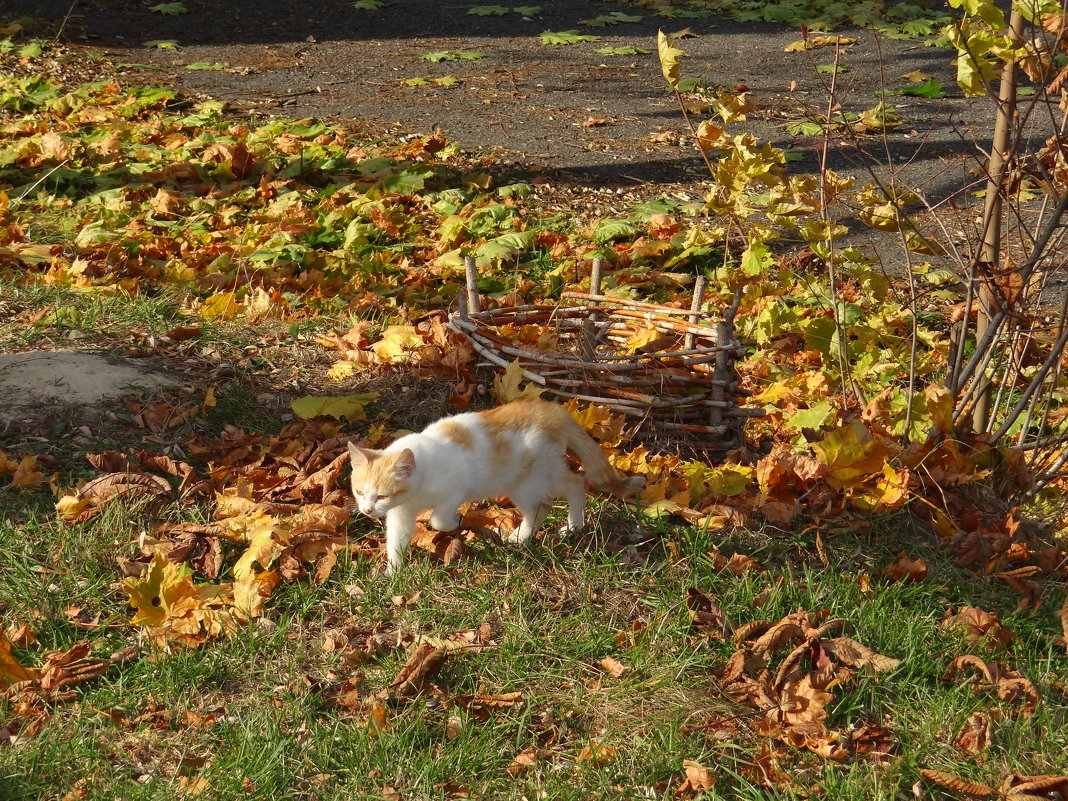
column 1023, row 787
column 523, row 761
column 613, row 666
column 958, row 783
column 902, row 568
column 979, row 627
column 424, row 662
column 708, row 619
column 698, row 779
column 974, row 736
column 1020, row 579
column 856, row 654
column 597, row 755
column 1009, row 684
column 91, row 499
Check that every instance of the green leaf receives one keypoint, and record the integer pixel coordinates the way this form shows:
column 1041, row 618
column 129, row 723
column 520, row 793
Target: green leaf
column 31, row 50
column 368, row 5
column 453, row 55
column 756, row 259
column 566, row 37
column 447, row 80
column 347, row 406
column 832, row 68
column 527, row 11
column 607, row 230
column 163, row 44
column 417, row 81
column 669, row 58
column 206, row 65
column 623, row 50
column 928, row 89
column 515, row 190
column 405, row 182
column 815, row 416
column 504, row 247
column 488, row 11
column 171, row 9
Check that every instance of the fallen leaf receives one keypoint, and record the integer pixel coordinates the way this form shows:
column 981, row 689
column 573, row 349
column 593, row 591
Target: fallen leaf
column 974, row 736
column 979, row 627
column 698, row 779
column 523, row 762
column 613, row 666
column 424, row 662
column 958, row 783
column 901, row 568
column 597, row 755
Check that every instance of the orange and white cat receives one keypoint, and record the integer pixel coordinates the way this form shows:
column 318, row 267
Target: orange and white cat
column 516, row 450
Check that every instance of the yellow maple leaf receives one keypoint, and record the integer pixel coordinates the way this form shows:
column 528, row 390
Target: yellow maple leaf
column 509, row 387
column 252, row 590
column 396, row 343
column 165, row 591
column 70, row 507
column 223, row 306
column 27, row 474
column 10, row 669
column 266, row 540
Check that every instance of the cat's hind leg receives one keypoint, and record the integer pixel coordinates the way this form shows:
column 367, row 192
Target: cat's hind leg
column 533, row 512
column 573, row 489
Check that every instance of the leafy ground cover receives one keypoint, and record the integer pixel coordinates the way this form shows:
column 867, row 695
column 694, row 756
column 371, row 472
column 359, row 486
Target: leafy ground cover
column 844, row 609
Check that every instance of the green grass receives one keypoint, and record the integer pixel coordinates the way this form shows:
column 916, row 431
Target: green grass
column 556, row 612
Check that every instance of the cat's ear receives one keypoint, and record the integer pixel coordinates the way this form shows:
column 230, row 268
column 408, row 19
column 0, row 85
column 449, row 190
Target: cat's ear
column 358, row 456
column 404, row 464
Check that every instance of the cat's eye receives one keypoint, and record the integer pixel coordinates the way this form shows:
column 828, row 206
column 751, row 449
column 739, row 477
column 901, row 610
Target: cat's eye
column 359, row 493
column 383, row 497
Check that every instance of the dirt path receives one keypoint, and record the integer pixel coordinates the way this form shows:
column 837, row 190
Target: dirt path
column 581, row 117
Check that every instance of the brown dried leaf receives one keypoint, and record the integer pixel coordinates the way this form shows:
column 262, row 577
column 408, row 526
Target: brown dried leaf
column 110, row 462
column 962, row 663
column 781, row 633
column 485, row 702
column 1009, row 689
column 1020, row 580
column 804, row 701
column 901, row 568
column 974, row 736
column 979, row 627
column 958, row 783
column 424, row 662
column 613, row 666
column 706, row 614
column 597, row 755
column 751, row 630
column 1021, row 786
column 698, row 779
column 524, row 761
column 744, row 662
column 856, row 654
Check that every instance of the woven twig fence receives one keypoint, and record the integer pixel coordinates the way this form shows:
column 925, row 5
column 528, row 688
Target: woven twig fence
column 683, row 385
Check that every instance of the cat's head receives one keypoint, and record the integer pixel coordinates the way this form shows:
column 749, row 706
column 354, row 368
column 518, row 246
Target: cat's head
column 380, row 479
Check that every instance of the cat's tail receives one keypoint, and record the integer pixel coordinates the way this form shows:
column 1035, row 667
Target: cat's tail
column 601, row 475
